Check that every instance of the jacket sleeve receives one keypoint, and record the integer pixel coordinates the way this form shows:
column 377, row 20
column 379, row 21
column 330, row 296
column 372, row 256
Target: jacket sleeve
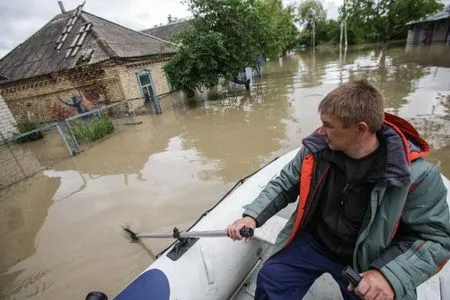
column 278, row 193
column 422, row 243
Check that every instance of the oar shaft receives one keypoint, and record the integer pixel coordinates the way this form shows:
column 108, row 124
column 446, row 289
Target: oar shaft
column 189, row 234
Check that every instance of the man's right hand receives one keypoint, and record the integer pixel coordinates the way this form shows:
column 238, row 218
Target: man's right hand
column 233, row 229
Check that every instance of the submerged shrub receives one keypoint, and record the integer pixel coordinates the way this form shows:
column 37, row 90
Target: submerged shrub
column 92, row 129
column 24, row 126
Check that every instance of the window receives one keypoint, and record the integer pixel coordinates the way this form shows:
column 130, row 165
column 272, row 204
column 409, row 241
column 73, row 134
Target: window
column 147, row 87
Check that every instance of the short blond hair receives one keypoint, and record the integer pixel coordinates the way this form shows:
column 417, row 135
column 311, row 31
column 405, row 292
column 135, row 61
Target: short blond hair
column 354, row 102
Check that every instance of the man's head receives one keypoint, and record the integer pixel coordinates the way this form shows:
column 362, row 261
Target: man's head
column 350, row 114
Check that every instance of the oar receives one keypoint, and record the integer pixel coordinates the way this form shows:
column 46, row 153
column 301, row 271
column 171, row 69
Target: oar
column 245, row 232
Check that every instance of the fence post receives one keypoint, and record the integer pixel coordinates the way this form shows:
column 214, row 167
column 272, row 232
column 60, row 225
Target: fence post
column 61, row 133
column 73, row 136
column 12, row 154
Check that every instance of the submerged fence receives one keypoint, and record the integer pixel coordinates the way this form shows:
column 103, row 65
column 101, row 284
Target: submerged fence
column 23, row 155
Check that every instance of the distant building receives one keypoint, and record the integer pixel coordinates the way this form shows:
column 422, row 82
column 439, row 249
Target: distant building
column 80, row 56
column 166, row 32
column 435, row 29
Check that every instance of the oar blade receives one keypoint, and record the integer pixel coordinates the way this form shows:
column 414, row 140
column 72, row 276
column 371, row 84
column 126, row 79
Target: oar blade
column 129, row 234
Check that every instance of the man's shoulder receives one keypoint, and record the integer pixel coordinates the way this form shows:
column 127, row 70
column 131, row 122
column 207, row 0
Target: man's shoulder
column 421, row 165
column 422, row 169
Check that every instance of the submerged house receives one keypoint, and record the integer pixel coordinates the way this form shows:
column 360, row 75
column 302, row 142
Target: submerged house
column 86, row 59
column 432, row 30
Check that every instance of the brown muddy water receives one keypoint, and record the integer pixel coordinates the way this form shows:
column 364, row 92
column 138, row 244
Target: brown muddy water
column 60, row 230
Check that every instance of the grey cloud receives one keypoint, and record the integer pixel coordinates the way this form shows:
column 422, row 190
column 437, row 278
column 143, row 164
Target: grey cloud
column 20, row 19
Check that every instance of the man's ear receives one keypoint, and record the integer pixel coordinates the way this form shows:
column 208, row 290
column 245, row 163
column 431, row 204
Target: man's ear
column 362, row 128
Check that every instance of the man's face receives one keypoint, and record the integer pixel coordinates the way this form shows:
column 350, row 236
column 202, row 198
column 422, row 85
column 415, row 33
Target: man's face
column 337, row 137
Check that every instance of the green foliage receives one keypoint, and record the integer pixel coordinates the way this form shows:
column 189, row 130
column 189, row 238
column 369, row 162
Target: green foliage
column 327, row 31
column 24, row 126
column 226, row 36
column 383, row 20
column 280, row 25
column 93, row 129
column 310, row 11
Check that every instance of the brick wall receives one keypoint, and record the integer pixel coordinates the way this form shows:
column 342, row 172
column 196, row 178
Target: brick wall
column 37, row 98
column 130, row 83
column 6, row 119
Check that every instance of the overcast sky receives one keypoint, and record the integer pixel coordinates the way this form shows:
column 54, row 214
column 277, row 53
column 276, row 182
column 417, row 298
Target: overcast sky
column 19, row 19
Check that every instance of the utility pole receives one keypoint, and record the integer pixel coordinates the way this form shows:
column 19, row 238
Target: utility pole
column 345, row 24
column 314, row 34
column 311, row 16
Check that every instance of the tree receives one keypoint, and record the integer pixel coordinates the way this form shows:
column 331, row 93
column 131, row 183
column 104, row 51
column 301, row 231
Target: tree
column 280, row 23
column 171, row 19
column 383, row 20
column 224, row 37
column 311, row 12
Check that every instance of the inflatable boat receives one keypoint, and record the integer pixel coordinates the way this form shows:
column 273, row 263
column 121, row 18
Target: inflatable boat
column 219, row 268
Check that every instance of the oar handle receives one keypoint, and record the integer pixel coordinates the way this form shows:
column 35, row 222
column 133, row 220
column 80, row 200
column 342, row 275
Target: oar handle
column 247, row 232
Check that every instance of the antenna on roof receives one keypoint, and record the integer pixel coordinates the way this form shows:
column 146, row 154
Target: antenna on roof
column 61, row 5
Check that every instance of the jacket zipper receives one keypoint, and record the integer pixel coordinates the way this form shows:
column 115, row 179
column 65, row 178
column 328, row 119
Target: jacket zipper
column 344, row 199
column 345, row 191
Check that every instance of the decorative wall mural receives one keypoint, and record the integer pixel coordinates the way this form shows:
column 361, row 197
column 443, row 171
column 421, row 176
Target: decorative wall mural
column 76, row 101
column 94, row 94
column 82, row 100
column 60, row 113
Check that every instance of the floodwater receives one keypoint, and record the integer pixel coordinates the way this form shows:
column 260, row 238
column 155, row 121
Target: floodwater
column 60, row 230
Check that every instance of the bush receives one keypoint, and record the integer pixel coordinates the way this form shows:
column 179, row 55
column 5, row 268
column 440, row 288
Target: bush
column 24, row 126
column 93, row 129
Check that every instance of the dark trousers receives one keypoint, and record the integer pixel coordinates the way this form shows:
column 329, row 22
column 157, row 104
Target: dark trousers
column 289, row 274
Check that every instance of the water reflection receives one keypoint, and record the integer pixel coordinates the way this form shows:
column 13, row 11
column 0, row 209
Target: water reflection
column 23, row 211
column 61, row 231
column 429, row 55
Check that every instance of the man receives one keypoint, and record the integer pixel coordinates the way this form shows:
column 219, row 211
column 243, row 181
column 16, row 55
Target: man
column 366, row 198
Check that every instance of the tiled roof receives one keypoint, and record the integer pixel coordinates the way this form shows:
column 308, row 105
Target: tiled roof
column 166, row 32
column 68, row 40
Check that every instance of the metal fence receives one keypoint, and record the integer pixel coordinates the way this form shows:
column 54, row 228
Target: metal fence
column 90, row 126
column 23, row 155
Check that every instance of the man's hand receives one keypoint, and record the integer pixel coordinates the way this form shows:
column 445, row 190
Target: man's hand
column 373, row 286
column 233, row 229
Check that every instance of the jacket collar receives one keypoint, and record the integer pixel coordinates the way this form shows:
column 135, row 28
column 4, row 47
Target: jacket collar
column 403, row 145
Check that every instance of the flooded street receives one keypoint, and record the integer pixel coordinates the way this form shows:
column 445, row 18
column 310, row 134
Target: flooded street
column 60, row 230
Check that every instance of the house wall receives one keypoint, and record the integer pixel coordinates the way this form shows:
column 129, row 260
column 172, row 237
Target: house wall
column 416, row 34
column 439, row 34
column 6, row 119
column 38, row 98
column 410, row 36
column 128, row 77
column 440, row 31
